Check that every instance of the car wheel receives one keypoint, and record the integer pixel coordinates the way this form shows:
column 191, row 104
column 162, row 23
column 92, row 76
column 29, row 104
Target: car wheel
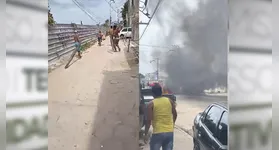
column 121, row 36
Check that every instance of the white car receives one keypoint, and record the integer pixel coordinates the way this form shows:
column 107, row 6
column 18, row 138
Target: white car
column 126, row 32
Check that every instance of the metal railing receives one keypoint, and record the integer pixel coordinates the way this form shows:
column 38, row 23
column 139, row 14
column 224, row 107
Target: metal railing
column 61, row 41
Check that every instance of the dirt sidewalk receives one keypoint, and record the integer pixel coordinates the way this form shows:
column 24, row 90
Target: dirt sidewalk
column 93, row 105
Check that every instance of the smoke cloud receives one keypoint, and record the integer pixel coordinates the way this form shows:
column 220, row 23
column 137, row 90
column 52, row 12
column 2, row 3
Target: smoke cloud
column 201, row 63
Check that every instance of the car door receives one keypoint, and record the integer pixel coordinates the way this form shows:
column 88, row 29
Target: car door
column 129, row 32
column 222, row 132
column 208, row 128
column 124, row 32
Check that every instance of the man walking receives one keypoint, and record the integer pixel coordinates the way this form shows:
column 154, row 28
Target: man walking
column 77, row 44
column 110, row 36
column 115, row 38
column 100, row 37
column 162, row 114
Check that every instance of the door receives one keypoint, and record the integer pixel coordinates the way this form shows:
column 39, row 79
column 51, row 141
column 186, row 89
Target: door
column 124, row 32
column 222, row 132
column 208, row 129
column 129, row 33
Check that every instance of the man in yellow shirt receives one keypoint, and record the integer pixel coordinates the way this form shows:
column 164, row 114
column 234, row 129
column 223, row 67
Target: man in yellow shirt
column 161, row 112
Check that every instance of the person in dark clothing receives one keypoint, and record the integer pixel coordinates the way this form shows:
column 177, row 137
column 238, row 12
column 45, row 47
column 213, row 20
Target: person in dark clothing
column 100, row 37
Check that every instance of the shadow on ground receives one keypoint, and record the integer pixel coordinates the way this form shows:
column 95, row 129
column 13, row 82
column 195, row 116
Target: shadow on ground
column 116, row 123
column 72, row 62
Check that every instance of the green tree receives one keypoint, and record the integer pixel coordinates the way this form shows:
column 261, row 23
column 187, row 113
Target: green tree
column 124, row 11
column 106, row 24
column 50, row 17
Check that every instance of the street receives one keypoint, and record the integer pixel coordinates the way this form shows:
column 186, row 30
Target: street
column 187, row 109
column 93, row 105
column 189, row 106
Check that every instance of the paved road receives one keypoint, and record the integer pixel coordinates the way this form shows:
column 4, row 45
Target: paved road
column 93, row 105
column 188, row 107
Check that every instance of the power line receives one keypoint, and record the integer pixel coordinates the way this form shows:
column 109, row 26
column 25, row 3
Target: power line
column 156, row 8
column 142, row 9
column 110, row 5
column 79, row 6
column 89, row 11
column 120, row 4
column 147, row 62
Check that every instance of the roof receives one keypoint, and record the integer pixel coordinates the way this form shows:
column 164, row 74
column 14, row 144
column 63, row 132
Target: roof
column 223, row 104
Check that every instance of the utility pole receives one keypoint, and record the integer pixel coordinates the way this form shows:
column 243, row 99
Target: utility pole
column 157, row 67
column 117, row 15
column 110, row 10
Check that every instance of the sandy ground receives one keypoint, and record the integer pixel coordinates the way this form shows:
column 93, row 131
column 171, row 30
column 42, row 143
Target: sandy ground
column 93, row 105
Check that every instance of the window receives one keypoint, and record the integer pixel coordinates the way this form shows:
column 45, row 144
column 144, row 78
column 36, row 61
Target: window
column 124, row 30
column 212, row 119
column 205, row 112
column 129, row 29
column 222, row 133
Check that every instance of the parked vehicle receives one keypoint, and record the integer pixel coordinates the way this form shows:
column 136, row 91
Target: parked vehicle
column 210, row 129
column 126, row 32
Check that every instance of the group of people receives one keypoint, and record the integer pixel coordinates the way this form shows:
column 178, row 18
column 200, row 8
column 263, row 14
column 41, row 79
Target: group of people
column 77, row 41
column 114, row 38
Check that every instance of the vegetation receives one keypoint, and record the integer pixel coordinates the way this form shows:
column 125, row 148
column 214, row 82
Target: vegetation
column 50, row 17
column 124, row 11
column 106, row 24
column 85, row 46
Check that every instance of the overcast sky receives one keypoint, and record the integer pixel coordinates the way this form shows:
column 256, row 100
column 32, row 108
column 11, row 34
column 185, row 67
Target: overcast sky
column 65, row 11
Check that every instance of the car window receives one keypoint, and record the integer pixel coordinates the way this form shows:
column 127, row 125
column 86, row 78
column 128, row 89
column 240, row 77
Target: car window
column 205, row 112
column 124, row 30
column 212, row 118
column 129, row 29
column 222, row 134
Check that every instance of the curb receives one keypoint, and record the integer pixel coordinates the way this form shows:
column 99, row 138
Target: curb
column 187, row 131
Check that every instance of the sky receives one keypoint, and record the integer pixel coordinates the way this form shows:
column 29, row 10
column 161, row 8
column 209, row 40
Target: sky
column 151, row 39
column 65, row 11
